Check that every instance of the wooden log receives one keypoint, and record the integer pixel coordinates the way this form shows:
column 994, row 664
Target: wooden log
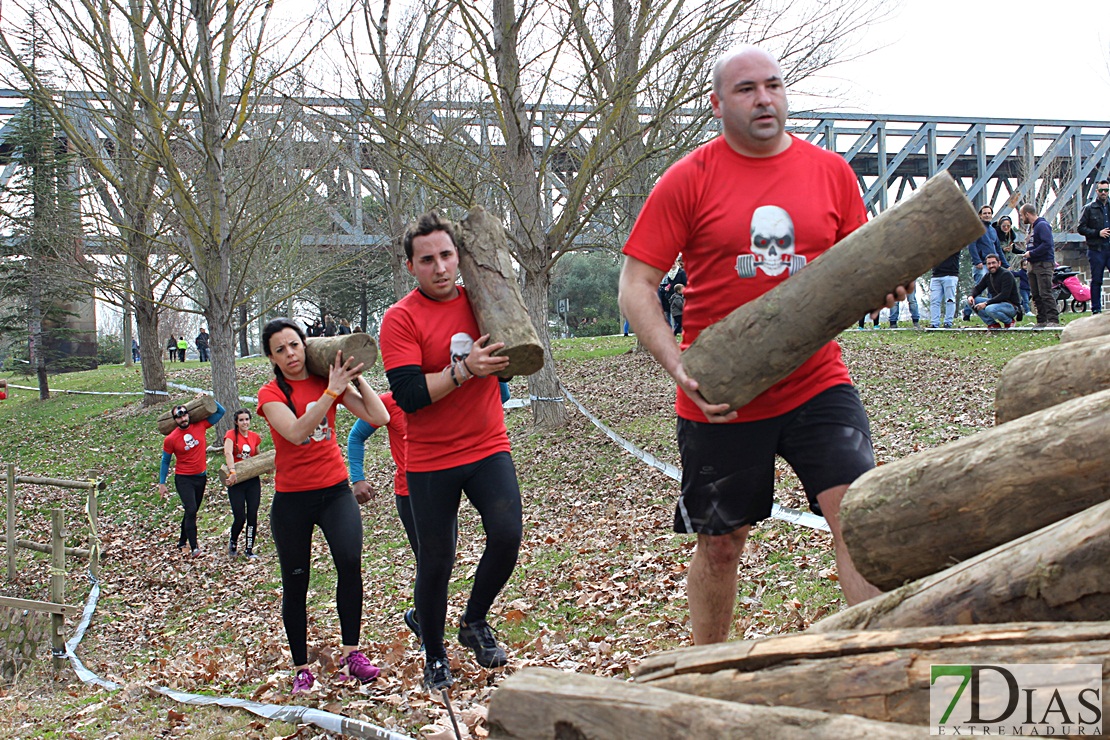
column 320, row 352
column 1044, row 377
column 920, row 514
column 491, row 285
column 9, row 522
column 1086, row 327
column 66, row 610
column 76, row 552
column 545, row 704
column 252, row 467
column 1056, row 574
column 57, row 586
column 199, row 410
column 879, row 674
column 763, row 341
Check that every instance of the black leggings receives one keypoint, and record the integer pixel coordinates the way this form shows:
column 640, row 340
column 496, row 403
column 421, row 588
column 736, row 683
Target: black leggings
column 190, row 489
column 492, row 488
column 404, row 511
column 244, row 498
column 292, row 517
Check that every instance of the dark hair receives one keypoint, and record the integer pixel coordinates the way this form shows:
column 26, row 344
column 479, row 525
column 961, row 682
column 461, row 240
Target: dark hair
column 235, row 421
column 1029, row 208
column 1006, row 218
column 424, row 225
column 1103, row 182
column 995, row 256
column 273, row 327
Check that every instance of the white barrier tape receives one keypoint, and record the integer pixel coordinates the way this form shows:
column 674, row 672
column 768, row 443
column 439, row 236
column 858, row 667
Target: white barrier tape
column 183, row 387
column 777, row 512
column 292, row 714
column 91, row 393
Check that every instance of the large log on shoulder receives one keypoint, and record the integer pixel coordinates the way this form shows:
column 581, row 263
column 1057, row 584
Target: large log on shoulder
column 199, row 410
column 1044, row 377
column 1086, row 327
column 320, row 352
column 920, row 514
column 1056, row 574
column 252, row 467
column 491, row 285
column 763, row 341
column 879, row 674
column 542, row 703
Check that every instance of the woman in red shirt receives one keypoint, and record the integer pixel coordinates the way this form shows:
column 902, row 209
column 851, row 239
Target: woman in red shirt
column 239, row 444
column 311, row 489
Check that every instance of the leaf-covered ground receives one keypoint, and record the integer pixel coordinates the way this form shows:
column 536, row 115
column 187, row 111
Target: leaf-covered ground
column 599, row 584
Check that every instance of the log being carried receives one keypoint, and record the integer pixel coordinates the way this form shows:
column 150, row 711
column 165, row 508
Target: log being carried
column 199, row 408
column 765, row 340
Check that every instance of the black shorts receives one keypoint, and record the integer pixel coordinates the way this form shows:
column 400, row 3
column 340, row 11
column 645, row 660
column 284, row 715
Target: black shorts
column 728, row 470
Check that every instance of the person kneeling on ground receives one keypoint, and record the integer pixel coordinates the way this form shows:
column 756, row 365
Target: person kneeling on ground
column 1003, row 306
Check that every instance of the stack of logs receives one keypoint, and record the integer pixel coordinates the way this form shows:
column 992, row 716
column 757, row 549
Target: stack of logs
column 992, row 548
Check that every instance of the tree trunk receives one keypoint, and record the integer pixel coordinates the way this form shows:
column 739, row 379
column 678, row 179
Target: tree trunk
column 221, row 343
column 146, row 320
column 1041, row 378
column 916, row 516
column 199, row 410
column 320, row 352
column 1056, row 574
column 128, row 359
column 1086, row 327
column 543, row 703
column 491, row 285
column 252, row 467
column 876, row 674
column 549, row 409
column 244, row 343
column 763, row 341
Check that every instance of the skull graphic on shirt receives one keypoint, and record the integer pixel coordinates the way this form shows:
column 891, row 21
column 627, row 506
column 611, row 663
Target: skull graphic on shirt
column 322, row 432
column 772, row 245
column 190, row 441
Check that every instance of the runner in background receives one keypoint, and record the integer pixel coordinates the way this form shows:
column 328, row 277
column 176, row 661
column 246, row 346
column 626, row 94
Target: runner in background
column 241, row 443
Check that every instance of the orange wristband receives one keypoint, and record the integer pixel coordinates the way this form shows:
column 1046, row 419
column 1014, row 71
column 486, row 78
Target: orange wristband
column 330, row 392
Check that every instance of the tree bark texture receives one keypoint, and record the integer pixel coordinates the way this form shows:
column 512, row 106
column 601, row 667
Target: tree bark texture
column 1044, row 377
column 763, row 341
column 320, row 352
column 542, row 703
column 1086, row 327
column 881, row 674
column 1056, row 574
column 199, row 410
column 491, row 285
column 252, row 467
column 921, row 514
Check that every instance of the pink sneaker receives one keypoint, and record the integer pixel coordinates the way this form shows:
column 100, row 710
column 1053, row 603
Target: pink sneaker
column 303, row 681
column 357, row 665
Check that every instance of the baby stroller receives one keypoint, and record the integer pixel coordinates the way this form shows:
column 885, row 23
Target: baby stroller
column 1067, row 288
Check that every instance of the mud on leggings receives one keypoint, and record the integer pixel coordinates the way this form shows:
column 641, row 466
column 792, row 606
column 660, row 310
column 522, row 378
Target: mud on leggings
column 292, row 518
column 190, row 489
column 492, row 488
column 244, row 499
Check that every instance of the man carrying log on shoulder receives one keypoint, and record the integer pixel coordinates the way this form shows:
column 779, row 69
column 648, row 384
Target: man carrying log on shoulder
column 188, row 443
column 796, row 201
column 441, row 375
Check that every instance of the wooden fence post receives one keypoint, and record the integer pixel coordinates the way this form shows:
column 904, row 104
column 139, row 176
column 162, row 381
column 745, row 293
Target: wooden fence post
column 94, row 536
column 57, row 585
column 10, row 529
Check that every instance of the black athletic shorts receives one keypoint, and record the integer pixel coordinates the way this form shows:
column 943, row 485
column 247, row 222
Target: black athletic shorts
column 728, row 470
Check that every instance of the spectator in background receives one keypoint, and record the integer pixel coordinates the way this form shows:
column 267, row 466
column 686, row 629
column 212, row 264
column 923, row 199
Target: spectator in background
column 357, row 329
column 135, row 350
column 329, row 326
column 1001, row 308
column 1041, row 253
column 1094, row 225
column 202, row 344
column 3, row 389
column 182, row 346
column 171, row 348
column 1012, row 242
column 315, row 329
column 1021, row 274
column 915, row 314
column 942, row 291
column 678, row 304
column 979, row 249
column 344, row 327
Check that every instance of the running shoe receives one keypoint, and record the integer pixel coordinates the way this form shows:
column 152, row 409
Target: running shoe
column 232, row 548
column 411, row 621
column 437, row 675
column 303, row 681
column 196, row 552
column 478, row 636
column 357, row 665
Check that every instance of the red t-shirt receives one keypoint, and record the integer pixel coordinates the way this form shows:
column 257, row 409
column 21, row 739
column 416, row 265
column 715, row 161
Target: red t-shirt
column 189, row 447
column 466, row 425
column 397, row 428
column 316, row 462
column 803, row 201
column 243, row 446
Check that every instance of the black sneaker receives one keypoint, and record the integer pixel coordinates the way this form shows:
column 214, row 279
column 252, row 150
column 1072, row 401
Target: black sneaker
column 232, row 548
column 478, row 636
column 437, row 675
column 413, row 624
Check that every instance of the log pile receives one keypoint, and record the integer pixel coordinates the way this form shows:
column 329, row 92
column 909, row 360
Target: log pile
column 22, row 632
column 992, row 550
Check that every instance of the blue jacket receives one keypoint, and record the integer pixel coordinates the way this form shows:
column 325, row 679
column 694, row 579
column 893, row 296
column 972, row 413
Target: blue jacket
column 1039, row 245
column 984, row 245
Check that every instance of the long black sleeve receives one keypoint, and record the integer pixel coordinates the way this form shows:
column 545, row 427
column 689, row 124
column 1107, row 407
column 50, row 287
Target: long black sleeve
column 410, row 387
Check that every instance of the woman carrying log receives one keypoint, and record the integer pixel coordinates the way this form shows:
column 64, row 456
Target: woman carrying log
column 241, row 443
column 311, row 490
column 190, row 476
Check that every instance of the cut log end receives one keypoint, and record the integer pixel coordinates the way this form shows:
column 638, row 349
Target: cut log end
column 524, row 359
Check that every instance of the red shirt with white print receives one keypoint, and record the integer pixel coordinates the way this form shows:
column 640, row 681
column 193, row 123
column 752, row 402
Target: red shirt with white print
column 190, row 448
column 316, row 461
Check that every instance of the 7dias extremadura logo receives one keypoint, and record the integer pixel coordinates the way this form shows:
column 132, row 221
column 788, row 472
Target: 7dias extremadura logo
column 1030, row 699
